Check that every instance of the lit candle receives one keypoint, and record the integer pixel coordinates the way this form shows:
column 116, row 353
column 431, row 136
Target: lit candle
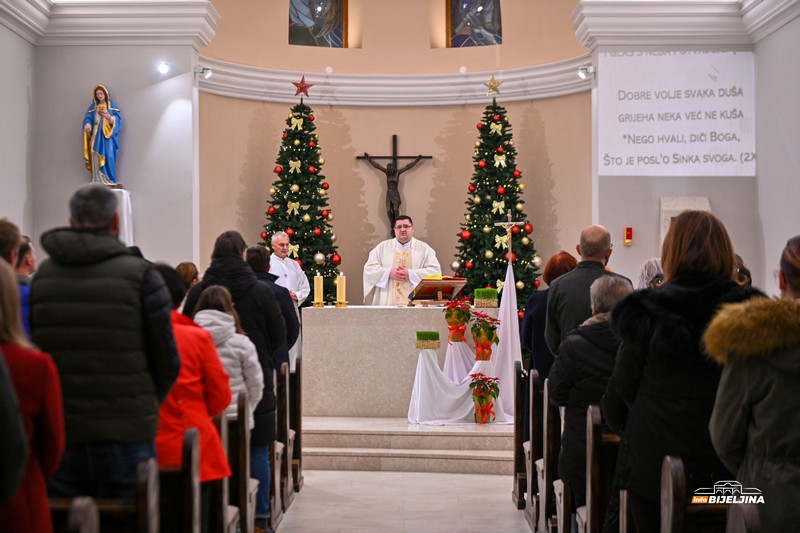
column 318, row 289
column 341, row 291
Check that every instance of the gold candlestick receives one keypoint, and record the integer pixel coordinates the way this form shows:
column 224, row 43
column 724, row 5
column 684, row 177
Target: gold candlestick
column 318, row 301
column 341, row 291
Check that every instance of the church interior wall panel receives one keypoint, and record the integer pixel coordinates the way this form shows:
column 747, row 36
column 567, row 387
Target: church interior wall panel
column 17, row 108
column 387, row 37
column 240, row 141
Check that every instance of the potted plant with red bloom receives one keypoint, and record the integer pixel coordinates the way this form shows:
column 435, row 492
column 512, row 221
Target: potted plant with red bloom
column 485, row 391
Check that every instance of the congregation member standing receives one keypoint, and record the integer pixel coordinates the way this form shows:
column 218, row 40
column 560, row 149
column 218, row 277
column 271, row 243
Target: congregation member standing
column 568, row 296
column 263, row 324
column 38, row 389
column 395, row 266
column 290, row 276
column 25, row 267
column 662, row 374
column 104, row 316
column 755, row 425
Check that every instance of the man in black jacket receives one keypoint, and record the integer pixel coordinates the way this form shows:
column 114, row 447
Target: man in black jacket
column 263, row 323
column 103, row 314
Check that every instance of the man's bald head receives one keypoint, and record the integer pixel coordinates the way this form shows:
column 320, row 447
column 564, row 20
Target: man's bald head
column 595, row 244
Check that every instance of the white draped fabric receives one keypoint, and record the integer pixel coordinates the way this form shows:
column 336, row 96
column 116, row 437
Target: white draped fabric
column 458, row 361
column 125, row 216
column 509, row 349
column 437, row 400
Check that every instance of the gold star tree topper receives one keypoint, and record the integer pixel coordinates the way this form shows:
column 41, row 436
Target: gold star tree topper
column 493, row 86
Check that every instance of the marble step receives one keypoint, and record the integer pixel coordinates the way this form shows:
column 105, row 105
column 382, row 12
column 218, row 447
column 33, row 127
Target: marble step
column 497, row 462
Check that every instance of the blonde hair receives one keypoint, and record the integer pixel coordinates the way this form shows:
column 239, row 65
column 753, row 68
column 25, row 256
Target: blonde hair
column 697, row 244
column 11, row 331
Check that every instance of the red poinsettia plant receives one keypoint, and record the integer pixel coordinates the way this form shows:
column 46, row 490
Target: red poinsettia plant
column 485, row 391
column 457, row 312
column 484, row 334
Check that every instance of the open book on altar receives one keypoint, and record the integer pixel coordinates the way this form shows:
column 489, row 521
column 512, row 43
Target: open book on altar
column 436, row 290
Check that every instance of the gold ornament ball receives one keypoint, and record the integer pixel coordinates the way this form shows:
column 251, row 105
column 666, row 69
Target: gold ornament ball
column 306, row 218
column 272, row 191
column 526, row 241
column 487, row 229
column 476, row 200
column 330, row 217
column 520, row 285
column 488, row 254
column 537, row 260
column 321, row 160
column 319, row 258
column 477, row 144
column 468, row 217
column 333, row 237
column 519, row 207
column 511, row 142
column 296, row 142
column 521, row 186
column 322, row 192
column 294, row 188
column 456, row 266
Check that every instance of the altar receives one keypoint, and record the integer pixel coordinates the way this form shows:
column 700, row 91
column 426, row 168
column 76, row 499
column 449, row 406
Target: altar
column 360, row 361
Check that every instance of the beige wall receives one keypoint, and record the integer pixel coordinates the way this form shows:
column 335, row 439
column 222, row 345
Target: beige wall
column 239, row 139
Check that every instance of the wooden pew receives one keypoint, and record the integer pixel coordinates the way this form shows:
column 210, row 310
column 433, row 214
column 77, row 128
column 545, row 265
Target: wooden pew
column 276, row 449
column 296, row 422
column 547, row 466
column 532, row 448
column 285, row 434
column 601, row 461
column 139, row 515
column 82, row 516
column 676, row 513
column 243, row 488
column 520, row 482
column 563, row 496
column 224, row 517
column 179, row 501
column 625, row 516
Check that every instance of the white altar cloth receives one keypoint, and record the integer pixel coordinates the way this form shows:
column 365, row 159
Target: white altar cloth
column 458, row 361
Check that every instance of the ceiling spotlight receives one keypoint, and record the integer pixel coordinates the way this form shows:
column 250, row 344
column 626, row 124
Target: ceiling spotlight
column 328, row 69
column 163, row 67
column 585, row 72
column 205, row 72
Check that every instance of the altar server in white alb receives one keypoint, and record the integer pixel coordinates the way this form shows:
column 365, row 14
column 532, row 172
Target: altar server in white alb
column 290, row 275
column 396, row 266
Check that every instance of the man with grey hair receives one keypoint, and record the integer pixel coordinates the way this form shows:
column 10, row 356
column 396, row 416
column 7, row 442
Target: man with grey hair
column 290, row 275
column 568, row 302
column 580, row 374
column 104, row 316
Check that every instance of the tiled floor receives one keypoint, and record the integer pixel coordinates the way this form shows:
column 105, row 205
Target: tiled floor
column 374, row 502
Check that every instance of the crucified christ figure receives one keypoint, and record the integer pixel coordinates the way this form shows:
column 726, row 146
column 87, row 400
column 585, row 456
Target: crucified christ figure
column 392, row 182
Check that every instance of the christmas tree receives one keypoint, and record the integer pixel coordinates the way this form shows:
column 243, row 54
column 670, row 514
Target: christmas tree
column 494, row 193
column 299, row 201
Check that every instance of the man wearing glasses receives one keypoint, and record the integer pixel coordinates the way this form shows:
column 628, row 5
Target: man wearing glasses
column 395, row 266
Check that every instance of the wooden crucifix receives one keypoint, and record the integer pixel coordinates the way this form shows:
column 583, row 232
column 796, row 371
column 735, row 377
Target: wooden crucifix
column 393, row 171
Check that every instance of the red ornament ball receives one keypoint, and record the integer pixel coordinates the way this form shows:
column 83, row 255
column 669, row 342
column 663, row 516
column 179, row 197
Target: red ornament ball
column 528, row 227
column 285, row 135
column 470, row 265
column 336, row 259
column 502, row 190
column 325, row 186
column 536, row 283
column 517, row 174
column 471, row 188
column 325, row 213
column 312, row 169
column 289, row 232
column 317, row 232
column 311, row 118
column 515, row 230
column 465, row 235
column 500, row 149
column 496, row 117
column 481, row 164
column 278, row 169
column 299, row 262
column 480, row 125
column 521, row 314
column 311, row 144
column 264, row 235
column 457, row 274
column 513, row 256
column 271, row 210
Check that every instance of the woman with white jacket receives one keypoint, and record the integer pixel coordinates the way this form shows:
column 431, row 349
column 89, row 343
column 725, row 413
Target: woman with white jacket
column 215, row 313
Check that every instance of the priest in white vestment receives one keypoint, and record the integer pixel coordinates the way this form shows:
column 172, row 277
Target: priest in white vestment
column 396, row 266
column 293, row 279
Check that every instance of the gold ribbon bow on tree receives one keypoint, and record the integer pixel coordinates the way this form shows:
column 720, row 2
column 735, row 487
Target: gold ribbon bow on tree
column 498, row 207
column 501, row 241
column 500, row 160
column 293, row 249
column 294, row 166
column 293, row 207
column 297, row 124
column 500, row 285
column 496, row 128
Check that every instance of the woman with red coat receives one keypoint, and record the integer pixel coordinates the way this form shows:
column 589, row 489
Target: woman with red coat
column 200, row 393
column 38, row 389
